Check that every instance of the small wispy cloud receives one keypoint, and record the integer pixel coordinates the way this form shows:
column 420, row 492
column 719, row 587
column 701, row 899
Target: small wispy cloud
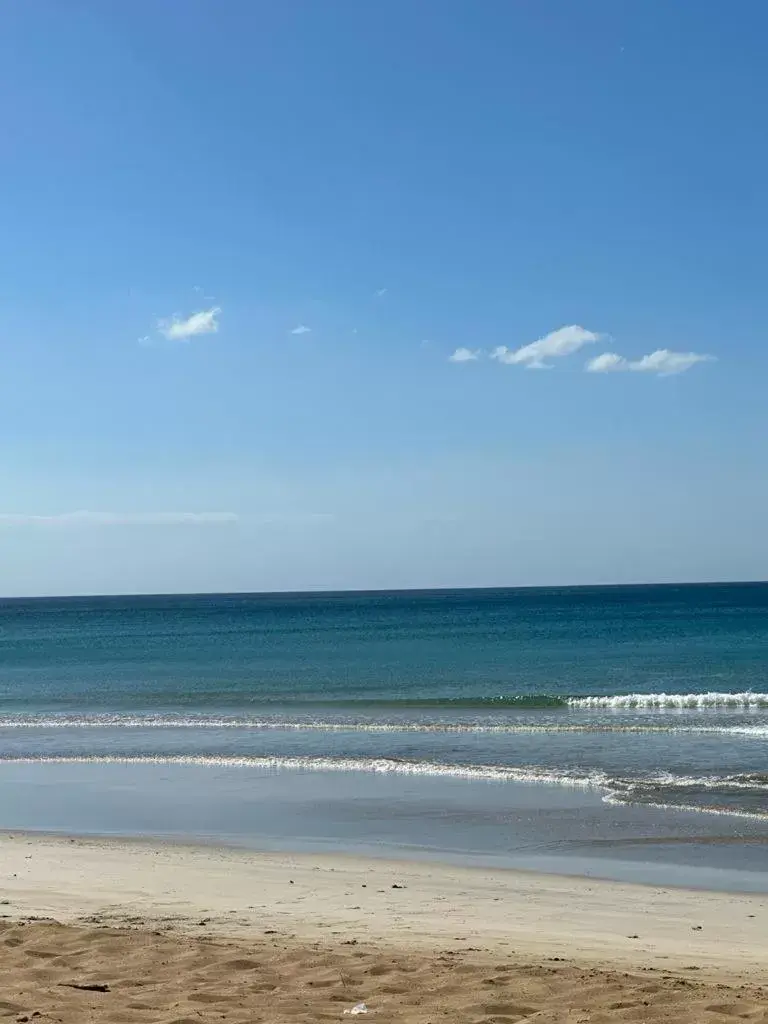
column 666, row 363
column 555, row 345
column 463, row 355
column 608, row 362
column 380, row 292
column 85, row 518
column 663, row 362
column 177, row 328
column 301, row 329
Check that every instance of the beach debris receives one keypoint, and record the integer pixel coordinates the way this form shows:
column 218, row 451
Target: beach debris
column 85, row 987
column 696, row 928
column 396, row 886
column 357, row 1008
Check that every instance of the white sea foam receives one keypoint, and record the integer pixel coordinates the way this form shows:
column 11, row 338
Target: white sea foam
column 668, row 780
column 127, row 721
column 376, row 765
column 621, row 800
column 747, row 699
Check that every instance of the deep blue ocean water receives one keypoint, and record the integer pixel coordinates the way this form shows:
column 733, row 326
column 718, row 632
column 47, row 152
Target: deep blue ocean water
column 650, row 702
column 473, row 646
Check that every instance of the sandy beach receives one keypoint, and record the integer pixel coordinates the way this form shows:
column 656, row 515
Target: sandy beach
column 182, row 933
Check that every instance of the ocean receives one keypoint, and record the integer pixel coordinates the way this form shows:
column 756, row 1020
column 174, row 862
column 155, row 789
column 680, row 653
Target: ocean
column 618, row 731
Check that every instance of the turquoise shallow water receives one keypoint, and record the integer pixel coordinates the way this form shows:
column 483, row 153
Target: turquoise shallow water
column 650, row 702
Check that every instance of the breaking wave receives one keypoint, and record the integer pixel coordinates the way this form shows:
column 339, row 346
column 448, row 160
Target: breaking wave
column 744, row 700
column 641, row 701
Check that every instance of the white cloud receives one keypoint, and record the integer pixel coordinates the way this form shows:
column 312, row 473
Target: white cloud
column 555, row 345
column 301, row 329
column 663, row 362
column 175, row 329
column 666, row 363
column 608, row 362
column 85, row 518
column 462, row 355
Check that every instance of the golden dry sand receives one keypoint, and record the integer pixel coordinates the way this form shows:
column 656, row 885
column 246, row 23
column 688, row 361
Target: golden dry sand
column 183, row 980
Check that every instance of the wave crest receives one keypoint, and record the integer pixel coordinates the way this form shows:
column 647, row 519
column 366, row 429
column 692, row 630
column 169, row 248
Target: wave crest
column 640, row 701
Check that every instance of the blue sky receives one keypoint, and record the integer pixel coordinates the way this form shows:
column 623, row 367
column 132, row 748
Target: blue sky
column 270, row 273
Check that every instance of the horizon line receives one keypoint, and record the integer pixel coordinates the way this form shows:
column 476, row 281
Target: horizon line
column 328, row 592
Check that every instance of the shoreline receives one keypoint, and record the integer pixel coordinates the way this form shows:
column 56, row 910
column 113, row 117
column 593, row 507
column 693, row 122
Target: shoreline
column 534, row 827
column 437, row 859
column 418, row 905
